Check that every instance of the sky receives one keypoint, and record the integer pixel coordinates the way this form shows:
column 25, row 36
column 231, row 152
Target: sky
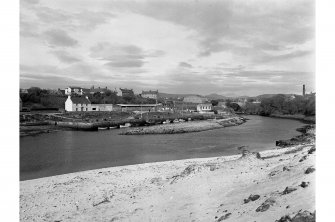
column 232, row 48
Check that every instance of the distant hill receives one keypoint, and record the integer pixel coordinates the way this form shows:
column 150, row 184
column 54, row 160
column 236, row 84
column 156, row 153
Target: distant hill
column 266, row 96
column 215, row 96
column 170, row 95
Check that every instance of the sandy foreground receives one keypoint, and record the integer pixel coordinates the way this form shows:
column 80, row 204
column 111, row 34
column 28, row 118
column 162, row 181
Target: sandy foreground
column 206, row 189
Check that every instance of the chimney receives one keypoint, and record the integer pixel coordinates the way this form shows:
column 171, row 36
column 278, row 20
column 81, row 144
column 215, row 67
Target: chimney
column 303, row 90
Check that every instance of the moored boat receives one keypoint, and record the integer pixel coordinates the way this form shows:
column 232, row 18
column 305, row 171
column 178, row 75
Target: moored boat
column 167, row 121
column 125, row 125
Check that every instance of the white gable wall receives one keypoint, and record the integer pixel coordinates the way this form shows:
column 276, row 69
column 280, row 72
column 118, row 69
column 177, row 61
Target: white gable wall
column 69, row 104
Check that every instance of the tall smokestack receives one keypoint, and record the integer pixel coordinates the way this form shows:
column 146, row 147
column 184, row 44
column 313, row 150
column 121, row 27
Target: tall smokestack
column 303, row 90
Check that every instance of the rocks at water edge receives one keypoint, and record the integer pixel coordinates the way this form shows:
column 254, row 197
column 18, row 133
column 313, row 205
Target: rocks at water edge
column 251, row 198
column 248, row 154
column 310, row 170
column 304, row 216
column 224, row 217
column 266, row 205
column 289, row 190
column 285, row 218
column 304, row 184
column 303, row 158
column 311, row 150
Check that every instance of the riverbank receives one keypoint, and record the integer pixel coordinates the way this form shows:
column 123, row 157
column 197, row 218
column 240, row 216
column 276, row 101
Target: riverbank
column 186, row 127
column 306, row 119
column 263, row 186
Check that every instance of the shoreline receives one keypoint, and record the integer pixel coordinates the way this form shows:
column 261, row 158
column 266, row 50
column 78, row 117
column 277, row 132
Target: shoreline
column 186, row 127
column 302, row 118
column 201, row 189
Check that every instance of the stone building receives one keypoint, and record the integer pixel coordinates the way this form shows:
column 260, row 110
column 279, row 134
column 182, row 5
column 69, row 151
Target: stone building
column 74, row 90
column 150, row 94
column 127, row 92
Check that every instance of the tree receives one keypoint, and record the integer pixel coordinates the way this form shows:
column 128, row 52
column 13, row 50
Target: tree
column 234, row 106
column 214, row 102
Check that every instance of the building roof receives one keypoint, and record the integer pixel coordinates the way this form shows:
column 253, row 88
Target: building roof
column 98, row 90
column 126, row 90
column 150, row 92
column 138, row 105
column 75, row 87
column 205, row 104
column 80, row 100
column 102, row 104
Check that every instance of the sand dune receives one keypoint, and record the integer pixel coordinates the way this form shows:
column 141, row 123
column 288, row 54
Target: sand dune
column 208, row 189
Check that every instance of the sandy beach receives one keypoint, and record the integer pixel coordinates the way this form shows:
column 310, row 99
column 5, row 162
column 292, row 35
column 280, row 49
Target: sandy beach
column 265, row 186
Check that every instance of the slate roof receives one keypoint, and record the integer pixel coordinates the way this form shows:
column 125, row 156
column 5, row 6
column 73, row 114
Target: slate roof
column 150, row 92
column 80, row 100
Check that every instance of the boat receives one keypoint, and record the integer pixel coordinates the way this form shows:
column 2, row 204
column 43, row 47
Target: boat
column 181, row 120
column 167, row 121
column 102, row 128
column 113, row 127
column 125, row 125
column 175, row 121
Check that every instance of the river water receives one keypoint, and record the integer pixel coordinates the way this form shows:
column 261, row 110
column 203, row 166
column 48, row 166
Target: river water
column 71, row 151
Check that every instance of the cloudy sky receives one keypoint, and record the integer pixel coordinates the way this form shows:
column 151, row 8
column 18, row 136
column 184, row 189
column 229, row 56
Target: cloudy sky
column 227, row 47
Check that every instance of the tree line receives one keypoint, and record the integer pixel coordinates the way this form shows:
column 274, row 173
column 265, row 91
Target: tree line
column 37, row 98
column 279, row 104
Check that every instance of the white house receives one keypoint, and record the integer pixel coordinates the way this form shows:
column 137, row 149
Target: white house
column 77, row 104
column 84, row 104
column 71, row 90
column 204, row 107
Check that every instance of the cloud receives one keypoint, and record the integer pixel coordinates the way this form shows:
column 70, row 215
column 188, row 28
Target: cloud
column 65, row 57
column 85, row 19
column 185, row 65
column 288, row 56
column 261, row 24
column 125, row 63
column 122, row 56
column 33, row 2
column 58, row 37
column 28, row 29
